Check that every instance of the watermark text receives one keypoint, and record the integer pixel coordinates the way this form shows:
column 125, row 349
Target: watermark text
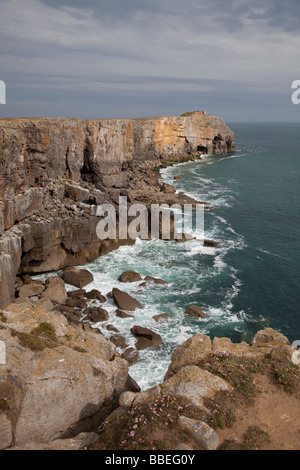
column 296, row 94
column 157, row 221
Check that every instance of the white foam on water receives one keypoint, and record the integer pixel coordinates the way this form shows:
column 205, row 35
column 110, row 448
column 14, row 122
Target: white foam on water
column 200, row 249
column 188, row 269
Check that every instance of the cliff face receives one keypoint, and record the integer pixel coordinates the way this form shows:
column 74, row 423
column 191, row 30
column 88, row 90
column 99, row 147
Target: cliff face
column 54, row 171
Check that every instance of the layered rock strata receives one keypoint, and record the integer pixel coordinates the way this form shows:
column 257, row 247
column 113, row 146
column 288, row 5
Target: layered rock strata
column 54, row 172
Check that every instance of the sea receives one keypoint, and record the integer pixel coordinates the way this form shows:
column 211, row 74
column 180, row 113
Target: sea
column 250, row 281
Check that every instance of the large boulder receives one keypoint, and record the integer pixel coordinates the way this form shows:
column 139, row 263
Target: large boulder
column 95, row 294
column 31, row 290
column 196, row 347
column 146, row 337
column 55, row 290
column 204, row 435
column 130, row 276
column 191, row 383
column 195, row 311
column 131, row 355
column 124, row 301
column 195, row 384
column 156, row 280
column 269, row 338
column 119, row 341
column 77, row 277
column 68, row 386
column 96, row 314
column 121, row 314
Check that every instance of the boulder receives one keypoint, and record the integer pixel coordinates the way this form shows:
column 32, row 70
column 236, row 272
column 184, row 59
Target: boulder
column 55, row 290
column 211, row 243
column 195, row 311
column 95, row 295
column 120, row 313
column 77, row 277
column 77, row 302
column 119, row 341
column 65, row 309
column 204, row 435
column 77, row 294
column 124, row 301
column 96, row 314
column 195, row 384
column 31, row 290
column 112, row 328
column 130, row 276
column 269, row 338
column 132, row 385
column 155, row 280
column 146, row 337
column 188, row 386
column 131, row 355
column 196, row 347
column 162, row 317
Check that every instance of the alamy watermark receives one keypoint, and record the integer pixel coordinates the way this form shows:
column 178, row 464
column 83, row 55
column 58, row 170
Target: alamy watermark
column 2, row 92
column 296, row 94
column 157, row 221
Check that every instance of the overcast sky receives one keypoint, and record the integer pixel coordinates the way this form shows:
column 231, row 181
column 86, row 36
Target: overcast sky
column 130, row 58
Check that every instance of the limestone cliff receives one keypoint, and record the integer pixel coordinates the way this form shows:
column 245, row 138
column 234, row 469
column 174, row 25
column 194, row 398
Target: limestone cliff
column 54, row 171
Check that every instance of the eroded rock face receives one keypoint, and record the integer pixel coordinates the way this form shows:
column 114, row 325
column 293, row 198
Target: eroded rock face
column 191, row 382
column 54, row 171
column 62, row 387
column 268, row 338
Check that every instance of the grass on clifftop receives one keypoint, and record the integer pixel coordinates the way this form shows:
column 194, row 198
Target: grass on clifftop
column 41, row 337
column 147, row 427
column 240, row 371
column 154, row 426
column 254, row 438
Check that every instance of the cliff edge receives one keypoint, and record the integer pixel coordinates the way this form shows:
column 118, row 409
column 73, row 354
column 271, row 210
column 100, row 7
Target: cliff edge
column 53, row 172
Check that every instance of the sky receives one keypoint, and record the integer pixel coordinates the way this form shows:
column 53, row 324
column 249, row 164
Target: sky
column 97, row 59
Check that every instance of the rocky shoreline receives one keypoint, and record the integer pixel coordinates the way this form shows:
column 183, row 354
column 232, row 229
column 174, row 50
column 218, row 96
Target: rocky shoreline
column 63, row 385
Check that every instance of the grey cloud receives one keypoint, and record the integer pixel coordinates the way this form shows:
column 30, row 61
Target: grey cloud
column 116, row 58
